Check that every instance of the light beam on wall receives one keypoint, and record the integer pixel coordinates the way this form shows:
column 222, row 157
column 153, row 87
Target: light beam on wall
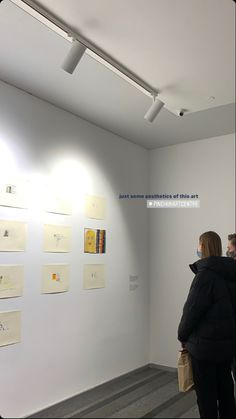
column 73, row 179
column 7, row 160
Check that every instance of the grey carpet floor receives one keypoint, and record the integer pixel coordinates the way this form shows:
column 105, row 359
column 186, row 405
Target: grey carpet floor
column 147, row 393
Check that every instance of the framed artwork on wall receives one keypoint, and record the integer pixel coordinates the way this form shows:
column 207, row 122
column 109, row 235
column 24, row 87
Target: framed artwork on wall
column 55, row 279
column 94, row 240
column 95, row 207
column 10, row 327
column 14, row 192
column 11, row 281
column 57, row 202
column 12, row 236
column 57, row 238
column 94, row 276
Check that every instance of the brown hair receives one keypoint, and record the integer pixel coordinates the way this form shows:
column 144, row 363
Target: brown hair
column 211, row 244
column 232, row 239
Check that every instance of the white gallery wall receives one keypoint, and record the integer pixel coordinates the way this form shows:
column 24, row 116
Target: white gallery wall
column 75, row 340
column 204, row 167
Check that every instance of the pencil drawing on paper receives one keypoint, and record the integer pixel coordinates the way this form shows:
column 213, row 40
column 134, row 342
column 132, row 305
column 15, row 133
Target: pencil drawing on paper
column 94, row 276
column 12, row 236
column 95, row 207
column 11, row 281
column 14, row 192
column 10, row 327
column 57, row 238
column 11, row 189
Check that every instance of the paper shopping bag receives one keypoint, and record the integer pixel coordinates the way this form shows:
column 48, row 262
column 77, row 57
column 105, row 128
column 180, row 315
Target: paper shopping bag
column 185, row 374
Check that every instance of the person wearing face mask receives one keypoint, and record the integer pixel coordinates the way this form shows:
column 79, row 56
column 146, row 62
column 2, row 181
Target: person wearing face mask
column 207, row 329
column 231, row 247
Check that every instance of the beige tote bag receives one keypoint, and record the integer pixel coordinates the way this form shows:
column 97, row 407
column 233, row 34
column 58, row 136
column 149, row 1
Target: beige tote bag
column 185, row 374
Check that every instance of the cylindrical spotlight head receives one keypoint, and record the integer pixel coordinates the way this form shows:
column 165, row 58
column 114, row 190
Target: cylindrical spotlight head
column 73, row 57
column 154, row 110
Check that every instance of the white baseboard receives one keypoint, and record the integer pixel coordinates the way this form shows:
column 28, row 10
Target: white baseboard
column 162, row 367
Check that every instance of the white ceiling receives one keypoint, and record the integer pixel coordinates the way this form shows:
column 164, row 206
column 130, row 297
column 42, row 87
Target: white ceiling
column 184, row 48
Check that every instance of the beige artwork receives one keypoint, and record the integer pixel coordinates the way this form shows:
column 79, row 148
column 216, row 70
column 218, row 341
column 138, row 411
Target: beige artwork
column 57, row 238
column 12, row 236
column 55, row 279
column 95, row 207
column 57, row 202
column 94, row 276
column 11, row 281
column 14, row 192
column 10, row 327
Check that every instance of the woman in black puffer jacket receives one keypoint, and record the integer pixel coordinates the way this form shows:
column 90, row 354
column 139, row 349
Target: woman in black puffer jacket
column 208, row 328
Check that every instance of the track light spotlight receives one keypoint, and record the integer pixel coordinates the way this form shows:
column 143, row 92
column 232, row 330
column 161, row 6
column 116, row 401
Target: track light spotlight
column 154, row 110
column 73, row 57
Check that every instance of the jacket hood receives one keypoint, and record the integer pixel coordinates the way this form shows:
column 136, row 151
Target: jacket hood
column 222, row 265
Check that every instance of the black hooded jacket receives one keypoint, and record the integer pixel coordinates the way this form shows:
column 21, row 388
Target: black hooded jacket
column 208, row 323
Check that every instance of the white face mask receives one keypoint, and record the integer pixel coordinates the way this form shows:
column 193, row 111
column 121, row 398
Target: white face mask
column 199, row 253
